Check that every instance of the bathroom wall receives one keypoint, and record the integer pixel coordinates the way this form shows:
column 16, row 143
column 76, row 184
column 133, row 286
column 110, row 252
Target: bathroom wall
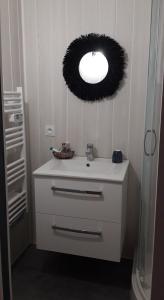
column 49, row 27
column 11, row 44
column 12, row 71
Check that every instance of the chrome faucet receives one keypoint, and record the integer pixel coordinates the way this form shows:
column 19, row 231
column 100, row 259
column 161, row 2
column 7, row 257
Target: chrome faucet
column 89, row 152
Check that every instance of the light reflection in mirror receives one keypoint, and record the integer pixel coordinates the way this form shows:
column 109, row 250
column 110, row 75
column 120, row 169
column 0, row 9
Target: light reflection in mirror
column 93, row 67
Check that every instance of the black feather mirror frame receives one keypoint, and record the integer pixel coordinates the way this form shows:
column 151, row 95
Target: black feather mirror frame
column 116, row 58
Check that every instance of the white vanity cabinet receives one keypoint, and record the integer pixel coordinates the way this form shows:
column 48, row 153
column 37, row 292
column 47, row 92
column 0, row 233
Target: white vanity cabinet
column 80, row 216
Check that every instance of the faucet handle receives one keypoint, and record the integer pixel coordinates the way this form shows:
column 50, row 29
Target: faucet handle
column 89, row 145
column 90, row 152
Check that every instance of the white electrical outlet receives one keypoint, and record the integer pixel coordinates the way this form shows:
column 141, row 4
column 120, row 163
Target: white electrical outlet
column 49, row 130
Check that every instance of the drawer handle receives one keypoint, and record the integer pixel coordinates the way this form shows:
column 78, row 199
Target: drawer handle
column 88, row 232
column 72, row 191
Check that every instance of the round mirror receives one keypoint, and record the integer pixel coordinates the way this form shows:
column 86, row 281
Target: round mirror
column 93, row 67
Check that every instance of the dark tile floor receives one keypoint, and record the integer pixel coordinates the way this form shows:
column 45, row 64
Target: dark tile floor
column 40, row 275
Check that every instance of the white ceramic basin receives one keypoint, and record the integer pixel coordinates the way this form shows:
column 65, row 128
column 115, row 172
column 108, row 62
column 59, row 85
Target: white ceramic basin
column 79, row 167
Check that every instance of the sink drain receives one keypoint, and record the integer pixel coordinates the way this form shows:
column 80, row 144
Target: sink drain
column 88, row 165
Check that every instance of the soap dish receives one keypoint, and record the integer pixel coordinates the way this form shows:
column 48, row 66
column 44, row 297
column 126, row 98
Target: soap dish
column 64, row 155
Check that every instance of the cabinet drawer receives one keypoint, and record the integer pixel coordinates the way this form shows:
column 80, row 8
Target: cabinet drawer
column 79, row 236
column 76, row 198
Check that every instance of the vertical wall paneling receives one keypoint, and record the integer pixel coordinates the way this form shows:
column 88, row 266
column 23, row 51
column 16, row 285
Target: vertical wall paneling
column 124, row 15
column 107, row 25
column 31, row 82
column 89, row 24
column 52, row 81
column 20, row 50
column 6, row 44
column 49, row 27
column 58, row 86
column 43, row 10
column 14, row 20
column 74, row 105
column 11, row 45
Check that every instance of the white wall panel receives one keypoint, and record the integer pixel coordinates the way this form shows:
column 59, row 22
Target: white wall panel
column 32, row 81
column 74, row 109
column 44, row 45
column 15, row 47
column 58, row 90
column 6, row 45
column 124, row 15
column 89, row 24
column 104, row 129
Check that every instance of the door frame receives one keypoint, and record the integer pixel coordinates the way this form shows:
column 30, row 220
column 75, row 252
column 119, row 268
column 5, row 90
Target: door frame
column 157, row 289
column 5, row 266
column 158, row 259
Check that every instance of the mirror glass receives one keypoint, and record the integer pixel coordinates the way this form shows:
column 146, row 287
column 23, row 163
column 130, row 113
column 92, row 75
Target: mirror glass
column 93, row 67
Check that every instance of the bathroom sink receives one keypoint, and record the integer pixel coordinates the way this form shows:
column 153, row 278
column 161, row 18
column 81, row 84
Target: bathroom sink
column 79, row 167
